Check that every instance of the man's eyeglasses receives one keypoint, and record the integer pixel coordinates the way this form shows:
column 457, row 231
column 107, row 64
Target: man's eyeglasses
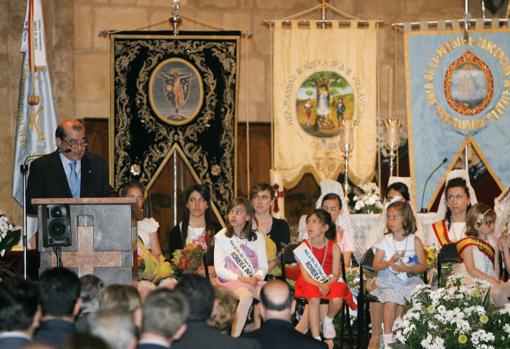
column 76, row 144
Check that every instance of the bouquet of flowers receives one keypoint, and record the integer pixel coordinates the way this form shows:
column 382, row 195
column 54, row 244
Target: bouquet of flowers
column 190, row 259
column 352, row 278
column 458, row 316
column 9, row 234
column 151, row 268
column 370, row 200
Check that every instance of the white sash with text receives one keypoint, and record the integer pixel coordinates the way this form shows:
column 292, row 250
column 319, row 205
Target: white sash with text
column 240, row 259
column 305, row 257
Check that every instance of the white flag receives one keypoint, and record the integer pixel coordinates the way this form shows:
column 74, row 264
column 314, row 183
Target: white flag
column 36, row 120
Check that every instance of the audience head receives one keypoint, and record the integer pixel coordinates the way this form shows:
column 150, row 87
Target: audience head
column 18, row 305
column 323, row 218
column 240, row 214
column 224, row 309
column 457, row 198
column 480, row 219
column 197, row 200
column 59, row 293
column 85, row 341
column 332, row 204
column 123, row 296
column 400, row 215
column 397, row 189
column 91, row 285
column 200, row 295
column 276, row 300
column 164, row 313
column 115, row 326
column 261, row 197
column 70, row 138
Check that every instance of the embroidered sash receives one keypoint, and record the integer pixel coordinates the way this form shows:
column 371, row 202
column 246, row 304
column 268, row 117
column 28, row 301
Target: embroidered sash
column 441, row 232
column 482, row 245
column 240, row 259
column 305, row 257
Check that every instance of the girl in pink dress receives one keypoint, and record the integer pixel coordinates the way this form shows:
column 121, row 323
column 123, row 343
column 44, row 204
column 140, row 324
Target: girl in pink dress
column 240, row 259
column 322, row 233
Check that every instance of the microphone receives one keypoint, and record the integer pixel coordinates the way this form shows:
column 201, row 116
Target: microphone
column 423, row 209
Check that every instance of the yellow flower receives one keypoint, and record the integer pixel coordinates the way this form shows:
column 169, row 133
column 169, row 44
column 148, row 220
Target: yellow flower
column 484, row 319
column 462, row 339
column 475, row 293
column 431, row 309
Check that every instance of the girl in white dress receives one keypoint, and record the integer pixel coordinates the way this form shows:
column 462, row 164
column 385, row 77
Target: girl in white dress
column 399, row 255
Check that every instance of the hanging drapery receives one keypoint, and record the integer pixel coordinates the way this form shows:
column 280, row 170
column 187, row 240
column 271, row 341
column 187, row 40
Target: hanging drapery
column 457, row 95
column 321, row 77
column 175, row 94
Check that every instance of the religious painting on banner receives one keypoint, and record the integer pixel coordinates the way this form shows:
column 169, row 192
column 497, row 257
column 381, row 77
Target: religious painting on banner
column 458, row 93
column 175, row 94
column 322, row 77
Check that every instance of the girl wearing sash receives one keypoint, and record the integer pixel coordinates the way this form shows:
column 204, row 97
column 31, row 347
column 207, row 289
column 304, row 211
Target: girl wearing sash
column 478, row 248
column 310, row 284
column 240, row 259
column 457, row 198
column 197, row 224
column 400, row 252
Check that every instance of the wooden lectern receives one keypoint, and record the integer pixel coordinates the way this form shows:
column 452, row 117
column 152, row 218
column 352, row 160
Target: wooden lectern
column 94, row 236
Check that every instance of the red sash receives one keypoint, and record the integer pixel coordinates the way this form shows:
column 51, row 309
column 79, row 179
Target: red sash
column 482, row 245
column 441, row 232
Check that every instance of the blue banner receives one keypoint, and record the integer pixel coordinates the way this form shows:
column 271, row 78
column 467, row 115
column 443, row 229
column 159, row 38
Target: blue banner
column 458, row 93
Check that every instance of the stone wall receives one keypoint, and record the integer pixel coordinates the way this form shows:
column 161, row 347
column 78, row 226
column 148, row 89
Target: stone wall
column 79, row 59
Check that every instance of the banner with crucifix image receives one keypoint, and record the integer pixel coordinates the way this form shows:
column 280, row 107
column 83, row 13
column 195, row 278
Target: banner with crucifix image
column 175, row 95
column 458, row 92
column 320, row 78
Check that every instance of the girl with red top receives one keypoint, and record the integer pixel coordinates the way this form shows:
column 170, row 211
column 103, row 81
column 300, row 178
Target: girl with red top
column 321, row 241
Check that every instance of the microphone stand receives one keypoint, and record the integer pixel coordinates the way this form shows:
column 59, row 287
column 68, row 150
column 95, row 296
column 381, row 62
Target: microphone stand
column 24, row 169
column 423, row 210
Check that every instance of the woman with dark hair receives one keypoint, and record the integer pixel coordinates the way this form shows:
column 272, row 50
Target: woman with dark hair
column 457, row 199
column 197, row 224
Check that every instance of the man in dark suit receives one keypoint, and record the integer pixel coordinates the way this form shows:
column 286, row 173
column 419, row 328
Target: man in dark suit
column 19, row 313
column 59, row 298
column 200, row 294
column 277, row 331
column 164, row 315
column 70, row 171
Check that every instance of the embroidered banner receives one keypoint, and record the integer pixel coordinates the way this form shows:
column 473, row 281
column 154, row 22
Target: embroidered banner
column 457, row 94
column 175, row 94
column 320, row 78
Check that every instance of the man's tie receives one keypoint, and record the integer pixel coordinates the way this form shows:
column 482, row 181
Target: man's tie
column 74, row 181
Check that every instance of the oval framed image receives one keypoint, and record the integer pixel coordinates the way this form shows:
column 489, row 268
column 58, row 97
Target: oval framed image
column 176, row 91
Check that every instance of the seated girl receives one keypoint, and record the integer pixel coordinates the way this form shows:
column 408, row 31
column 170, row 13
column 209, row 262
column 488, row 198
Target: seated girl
column 240, row 259
column 399, row 255
column 321, row 280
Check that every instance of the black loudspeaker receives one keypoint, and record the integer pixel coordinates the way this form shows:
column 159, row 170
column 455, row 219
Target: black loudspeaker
column 57, row 226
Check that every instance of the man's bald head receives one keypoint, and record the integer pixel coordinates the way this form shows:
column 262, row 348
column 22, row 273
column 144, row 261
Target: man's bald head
column 276, row 296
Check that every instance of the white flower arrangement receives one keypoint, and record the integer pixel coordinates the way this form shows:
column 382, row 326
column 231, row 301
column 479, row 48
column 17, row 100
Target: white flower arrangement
column 370, row 200
column 457, row 316
column 9, row 234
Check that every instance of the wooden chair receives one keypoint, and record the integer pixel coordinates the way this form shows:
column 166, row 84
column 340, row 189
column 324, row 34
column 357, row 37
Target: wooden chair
column 364, row 299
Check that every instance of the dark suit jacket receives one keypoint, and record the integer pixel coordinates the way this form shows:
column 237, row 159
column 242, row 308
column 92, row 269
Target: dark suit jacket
column 279, row 334
column 199, row 335
column 54, row 332
column 48, row 179
column 13, row 342
column 151, row 346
